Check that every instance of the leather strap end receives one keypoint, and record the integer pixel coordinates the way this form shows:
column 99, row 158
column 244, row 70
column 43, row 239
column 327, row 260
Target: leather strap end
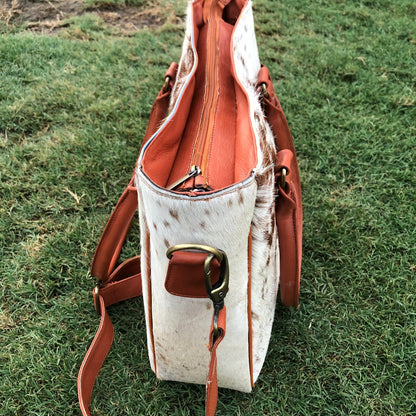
column 94, row 359
column 127, row 288
column 212, row 380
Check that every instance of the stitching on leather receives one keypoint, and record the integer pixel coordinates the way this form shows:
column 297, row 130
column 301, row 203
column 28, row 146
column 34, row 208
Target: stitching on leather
column 215, row 103
column 208, row 176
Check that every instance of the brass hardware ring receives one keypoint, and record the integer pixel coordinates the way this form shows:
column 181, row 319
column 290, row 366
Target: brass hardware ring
column 166, row 84
column 283, row 177
column 264, row 90
column 219, row 254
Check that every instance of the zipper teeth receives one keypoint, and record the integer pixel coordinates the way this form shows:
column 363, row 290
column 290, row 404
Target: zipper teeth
column 211, row 79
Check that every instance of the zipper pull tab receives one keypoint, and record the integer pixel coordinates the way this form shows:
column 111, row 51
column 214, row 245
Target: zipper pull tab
column 195, row 171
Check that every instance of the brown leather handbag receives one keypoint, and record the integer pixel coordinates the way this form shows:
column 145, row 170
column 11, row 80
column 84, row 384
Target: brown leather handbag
column 219, row 197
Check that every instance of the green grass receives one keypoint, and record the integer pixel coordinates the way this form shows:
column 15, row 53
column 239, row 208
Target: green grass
column 74, row 106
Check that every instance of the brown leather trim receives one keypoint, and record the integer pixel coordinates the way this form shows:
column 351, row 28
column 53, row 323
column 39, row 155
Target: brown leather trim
column 289, row 224
column 149, row 297
column 250, row 321
column 231, row 157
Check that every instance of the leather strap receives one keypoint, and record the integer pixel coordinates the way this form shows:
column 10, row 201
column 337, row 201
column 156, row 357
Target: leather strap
column 114, row 234
column 123, row 282
column 161, row 104
column 124, row 286
column 289, row 215
column 212, row 381
column 112, row 240
column 117, row 291
column 289, row 227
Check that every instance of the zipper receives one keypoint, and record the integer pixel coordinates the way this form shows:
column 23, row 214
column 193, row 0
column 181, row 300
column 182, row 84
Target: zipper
column 195, row 171
column 197, row 177
column 206, row 126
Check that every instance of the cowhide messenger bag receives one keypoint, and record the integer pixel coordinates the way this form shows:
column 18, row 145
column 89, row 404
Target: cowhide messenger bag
column 218, row 191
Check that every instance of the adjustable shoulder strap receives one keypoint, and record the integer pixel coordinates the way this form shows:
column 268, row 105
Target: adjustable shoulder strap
column 115, row 232
column 115, row 286
column 124, row 282
column 124, row 285
column 289, row 204
column 114, row 235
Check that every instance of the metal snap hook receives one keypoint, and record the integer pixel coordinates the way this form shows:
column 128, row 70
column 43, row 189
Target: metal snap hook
column 217, row 291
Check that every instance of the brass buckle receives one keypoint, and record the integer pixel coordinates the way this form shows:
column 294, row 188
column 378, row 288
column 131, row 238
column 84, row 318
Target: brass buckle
column 264, row 90
column 166, row 83
column 218, row 291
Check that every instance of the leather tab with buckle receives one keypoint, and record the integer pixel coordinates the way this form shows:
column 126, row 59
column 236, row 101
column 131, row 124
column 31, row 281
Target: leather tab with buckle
column 217, row 291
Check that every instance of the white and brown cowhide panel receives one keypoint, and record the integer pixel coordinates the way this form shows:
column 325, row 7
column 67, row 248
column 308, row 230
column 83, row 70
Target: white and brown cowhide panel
column 224, row 220
column 181, row 325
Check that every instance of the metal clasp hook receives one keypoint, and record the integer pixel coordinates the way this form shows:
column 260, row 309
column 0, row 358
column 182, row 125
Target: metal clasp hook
column 218, row 290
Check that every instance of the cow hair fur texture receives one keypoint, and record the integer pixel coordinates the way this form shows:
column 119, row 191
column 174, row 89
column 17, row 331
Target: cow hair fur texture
column 167, row 219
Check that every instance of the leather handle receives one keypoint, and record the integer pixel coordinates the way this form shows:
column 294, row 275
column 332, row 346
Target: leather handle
column 114, row 234
column 124, row 282
column 289, row 215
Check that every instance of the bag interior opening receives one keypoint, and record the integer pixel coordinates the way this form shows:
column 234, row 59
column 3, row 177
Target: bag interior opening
column 208, row 143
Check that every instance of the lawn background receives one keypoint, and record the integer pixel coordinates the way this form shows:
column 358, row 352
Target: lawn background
column 74, row 103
